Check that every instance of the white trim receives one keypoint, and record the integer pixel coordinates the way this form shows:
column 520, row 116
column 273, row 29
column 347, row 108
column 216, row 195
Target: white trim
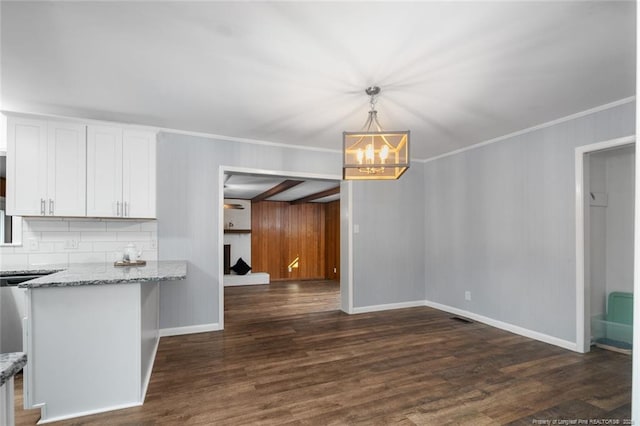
column 170, row 130
column 220, row 230
column 388, row 306
column 635, row 361
column 43, row 410
column 279, row 173
column 533, row 128
column 245, row 140
column 535, row 335
column 189, row 329
column 582, row 327
column 80, row 120
column 505, row 326
column 320, row 149
column 348, row 185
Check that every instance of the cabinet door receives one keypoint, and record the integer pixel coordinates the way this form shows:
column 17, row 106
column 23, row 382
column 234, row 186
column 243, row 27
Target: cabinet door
column 139, row 173
column 66, row 169
column 26, row 167
column 104, row 171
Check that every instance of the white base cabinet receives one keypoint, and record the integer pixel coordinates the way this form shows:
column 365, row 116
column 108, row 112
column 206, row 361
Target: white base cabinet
column 7, row 411
column 90, row 348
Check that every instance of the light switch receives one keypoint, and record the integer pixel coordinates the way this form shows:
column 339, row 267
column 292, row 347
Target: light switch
column 356, row 229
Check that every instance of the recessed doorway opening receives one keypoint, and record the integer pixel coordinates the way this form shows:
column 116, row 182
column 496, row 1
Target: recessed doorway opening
column 287, row 228
column 605, row 194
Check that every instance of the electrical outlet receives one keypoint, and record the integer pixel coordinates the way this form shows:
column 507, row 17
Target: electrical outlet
column 71, row 244
column 290, row 269
column 33, row 244
column 467, row 295
column 356, row 229
column 335, row 270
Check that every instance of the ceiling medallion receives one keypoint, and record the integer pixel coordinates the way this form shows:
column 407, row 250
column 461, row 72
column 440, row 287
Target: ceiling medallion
column 374, row 154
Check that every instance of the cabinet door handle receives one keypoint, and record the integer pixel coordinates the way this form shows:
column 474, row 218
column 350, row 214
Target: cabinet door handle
column 42, row 207
column 126, row 209
column 50, row 206
column 117, row 208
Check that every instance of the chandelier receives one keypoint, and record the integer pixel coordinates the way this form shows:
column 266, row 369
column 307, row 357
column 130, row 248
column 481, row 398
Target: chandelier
column 374, row 154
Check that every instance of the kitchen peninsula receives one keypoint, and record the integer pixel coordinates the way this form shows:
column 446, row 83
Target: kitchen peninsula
column 91, row 333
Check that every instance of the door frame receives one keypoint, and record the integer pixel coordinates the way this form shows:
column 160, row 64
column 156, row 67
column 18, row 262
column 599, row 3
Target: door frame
column 346, row 238
column 583, row 284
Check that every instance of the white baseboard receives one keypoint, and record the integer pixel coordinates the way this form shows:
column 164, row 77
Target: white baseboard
column 572, row 346
column 388, row 306
column 189, row 329
column 45, row 420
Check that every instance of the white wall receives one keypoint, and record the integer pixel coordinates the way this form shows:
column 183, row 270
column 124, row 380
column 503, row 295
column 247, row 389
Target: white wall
column 598, row 233
column 500, row 223
column 620, row 213
column 612, row 175
column 46, row 241
column 241, row 219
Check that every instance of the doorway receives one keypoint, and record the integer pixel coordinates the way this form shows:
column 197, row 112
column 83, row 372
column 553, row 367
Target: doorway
column 288, row 204
column 605, row 194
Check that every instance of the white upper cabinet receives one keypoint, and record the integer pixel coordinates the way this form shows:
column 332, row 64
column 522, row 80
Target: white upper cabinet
column 121, row 172
column 26, row 167
column 139, row 173
column 66, row 169
column 46, row 168
column 104, row 171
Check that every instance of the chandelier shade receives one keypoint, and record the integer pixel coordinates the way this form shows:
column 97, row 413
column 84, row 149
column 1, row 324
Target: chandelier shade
column 377, row 154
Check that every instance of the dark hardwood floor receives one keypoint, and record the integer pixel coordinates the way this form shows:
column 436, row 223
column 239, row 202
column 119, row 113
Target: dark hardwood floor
column 288, row 356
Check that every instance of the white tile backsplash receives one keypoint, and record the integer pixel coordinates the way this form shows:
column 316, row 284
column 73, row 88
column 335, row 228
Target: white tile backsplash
column 123, row 226
column 39, row 225
column 14, row 259
column 59, row 236
column 97, row 236
column 48, row 258
column 97, row 240
column 87, row 226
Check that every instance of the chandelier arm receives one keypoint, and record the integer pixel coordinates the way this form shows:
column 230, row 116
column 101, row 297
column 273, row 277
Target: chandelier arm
column 375, row 120
column 384, row 138
column 369, row 122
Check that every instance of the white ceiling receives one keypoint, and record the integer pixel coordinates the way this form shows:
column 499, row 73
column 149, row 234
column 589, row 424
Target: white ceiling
column 454, row 73
column 247, row 186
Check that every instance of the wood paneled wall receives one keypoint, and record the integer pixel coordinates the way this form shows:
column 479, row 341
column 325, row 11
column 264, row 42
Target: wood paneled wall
column 332, row 240
column 282, row 232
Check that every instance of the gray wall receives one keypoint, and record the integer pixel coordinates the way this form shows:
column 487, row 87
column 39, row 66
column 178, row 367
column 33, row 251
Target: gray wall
column 500, row 223
column 388, row 250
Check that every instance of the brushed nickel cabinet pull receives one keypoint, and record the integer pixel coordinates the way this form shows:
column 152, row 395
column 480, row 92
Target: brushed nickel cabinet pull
column 42, row 207
column 126, row 209
column 50, row 206
column 117, row 208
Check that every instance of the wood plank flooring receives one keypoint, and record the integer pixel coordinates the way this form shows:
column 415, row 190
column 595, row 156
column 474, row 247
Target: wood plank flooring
column 288, row 356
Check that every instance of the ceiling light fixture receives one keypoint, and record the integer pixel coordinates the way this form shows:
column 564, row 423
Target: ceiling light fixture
column 375, row 155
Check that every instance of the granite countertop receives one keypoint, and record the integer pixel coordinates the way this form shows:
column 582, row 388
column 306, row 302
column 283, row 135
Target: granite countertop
column 32, row 269
column 106, row 273
column 10, row 365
